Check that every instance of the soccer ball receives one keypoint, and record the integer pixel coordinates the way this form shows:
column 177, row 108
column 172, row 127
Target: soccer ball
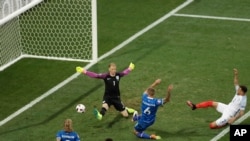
column 80, row 108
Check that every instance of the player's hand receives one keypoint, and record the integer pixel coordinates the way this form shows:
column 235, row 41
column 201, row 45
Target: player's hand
column 231, row 120
column 170, row 87
column 131, row 66
column 235, row 72
column 79, row 69
column 157, row 81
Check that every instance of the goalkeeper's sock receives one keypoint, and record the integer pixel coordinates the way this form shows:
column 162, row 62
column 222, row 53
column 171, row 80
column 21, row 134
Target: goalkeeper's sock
column 205, row 104
column 103, row 111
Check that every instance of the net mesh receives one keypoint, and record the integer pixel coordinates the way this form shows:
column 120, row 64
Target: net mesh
column 54, row 29
column 58, row 28
column 10, row 41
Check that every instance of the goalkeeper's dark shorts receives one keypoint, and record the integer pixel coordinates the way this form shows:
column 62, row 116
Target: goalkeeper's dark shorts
column 116, row 102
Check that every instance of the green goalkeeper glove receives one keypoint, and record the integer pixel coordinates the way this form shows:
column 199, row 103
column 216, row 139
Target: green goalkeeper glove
column 79, row 69
column 131, row 66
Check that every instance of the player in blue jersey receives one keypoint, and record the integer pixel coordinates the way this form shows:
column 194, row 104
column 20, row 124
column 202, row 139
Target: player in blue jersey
column 112, row 91
column 67, row 134
column 149, row 108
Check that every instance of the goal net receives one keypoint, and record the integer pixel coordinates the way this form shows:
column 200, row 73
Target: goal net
column 48, row 29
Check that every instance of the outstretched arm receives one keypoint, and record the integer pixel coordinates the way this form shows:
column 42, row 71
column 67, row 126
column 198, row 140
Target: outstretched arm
column 128, row 70
column 236, row 79
column 167, row 98
column 156, row 82
column 91, row 74
column 233, row 119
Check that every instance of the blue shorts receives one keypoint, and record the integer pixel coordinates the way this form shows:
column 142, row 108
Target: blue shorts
column 142, row 126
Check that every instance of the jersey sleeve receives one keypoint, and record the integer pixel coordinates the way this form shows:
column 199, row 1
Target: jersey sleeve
column 95, row 75
column 124, row 72
column 77, row 137
column 59, row 134
column 144, row 95
column 243, row 103
column 159, row 101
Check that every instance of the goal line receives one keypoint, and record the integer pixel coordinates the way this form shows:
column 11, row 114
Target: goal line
column 212, row 17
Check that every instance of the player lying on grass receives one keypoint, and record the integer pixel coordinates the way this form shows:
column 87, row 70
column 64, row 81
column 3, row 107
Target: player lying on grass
column 112, row 91
column 149, row 108
column 230, row 112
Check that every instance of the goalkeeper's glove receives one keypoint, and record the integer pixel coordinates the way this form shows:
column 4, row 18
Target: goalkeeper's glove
column 79, row 69
column 131, row 66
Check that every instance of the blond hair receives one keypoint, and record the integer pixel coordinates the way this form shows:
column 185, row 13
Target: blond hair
column 68, row 125
column 112, row 64
column 151, row 91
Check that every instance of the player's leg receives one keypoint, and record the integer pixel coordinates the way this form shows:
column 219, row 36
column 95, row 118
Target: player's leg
column 203, row 104
column 101, row 113
column 213, row 125
column 221, row 107
column 105, row 107
column 124, row 113
column 139, row 129
column 221, row 122
column 136, row 116
column 119, row 106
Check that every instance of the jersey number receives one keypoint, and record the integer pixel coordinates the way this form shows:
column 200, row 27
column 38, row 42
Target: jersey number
column 147, row 111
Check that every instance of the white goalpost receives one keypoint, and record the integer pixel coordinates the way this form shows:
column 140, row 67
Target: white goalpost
column 48, row 29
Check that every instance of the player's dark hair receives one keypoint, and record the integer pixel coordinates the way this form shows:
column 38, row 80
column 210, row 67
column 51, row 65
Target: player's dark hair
column 243, row 88
column 109, row 139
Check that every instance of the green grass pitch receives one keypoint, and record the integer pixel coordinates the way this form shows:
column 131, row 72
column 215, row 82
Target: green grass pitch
column 196, row 55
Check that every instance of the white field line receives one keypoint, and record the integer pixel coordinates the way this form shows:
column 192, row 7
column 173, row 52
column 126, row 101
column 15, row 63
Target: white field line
column 226, row 130
column 51, row 91
column 212, row 17
column 171, row 13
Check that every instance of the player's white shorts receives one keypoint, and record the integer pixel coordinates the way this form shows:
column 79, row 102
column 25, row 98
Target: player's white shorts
column 222, row 108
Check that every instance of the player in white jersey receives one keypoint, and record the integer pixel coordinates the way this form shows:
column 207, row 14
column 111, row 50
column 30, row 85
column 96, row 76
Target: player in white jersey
column 230, row 112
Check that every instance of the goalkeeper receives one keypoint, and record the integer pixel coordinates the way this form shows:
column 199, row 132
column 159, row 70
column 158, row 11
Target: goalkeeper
column 112, row 91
